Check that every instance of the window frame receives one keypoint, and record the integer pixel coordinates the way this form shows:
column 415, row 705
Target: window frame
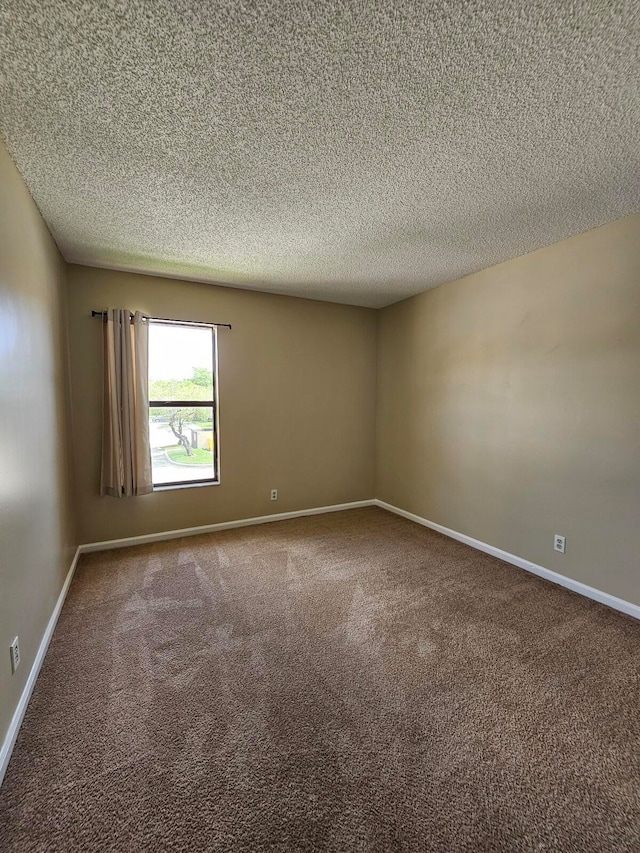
column 213, row 404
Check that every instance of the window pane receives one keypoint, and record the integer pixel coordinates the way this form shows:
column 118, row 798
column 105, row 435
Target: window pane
column 183, row 444
column 180, row 363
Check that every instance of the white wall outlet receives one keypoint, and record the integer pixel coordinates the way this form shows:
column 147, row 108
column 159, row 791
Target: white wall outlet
column 559, row 543
column 14, row 651
column 274, row 494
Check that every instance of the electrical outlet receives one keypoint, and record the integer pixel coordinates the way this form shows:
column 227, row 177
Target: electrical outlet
column 559, row 543
column 14, row 651
column 274, row 494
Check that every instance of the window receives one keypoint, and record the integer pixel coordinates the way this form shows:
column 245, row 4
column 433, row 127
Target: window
column 183, row 403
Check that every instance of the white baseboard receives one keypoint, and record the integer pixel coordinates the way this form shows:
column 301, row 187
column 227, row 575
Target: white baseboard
column 211, row 528
column 16, row 721
column 575, row 586
column 14, row 727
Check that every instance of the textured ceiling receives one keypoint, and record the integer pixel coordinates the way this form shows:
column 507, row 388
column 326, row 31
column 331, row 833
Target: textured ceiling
column 355, row 151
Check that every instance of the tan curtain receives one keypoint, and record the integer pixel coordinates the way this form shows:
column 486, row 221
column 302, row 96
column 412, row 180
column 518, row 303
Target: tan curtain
column 126, row 455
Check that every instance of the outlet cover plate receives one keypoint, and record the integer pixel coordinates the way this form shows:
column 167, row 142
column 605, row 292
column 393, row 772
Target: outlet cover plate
column 14, row 651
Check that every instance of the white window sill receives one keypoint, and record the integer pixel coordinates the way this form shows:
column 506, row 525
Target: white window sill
column 170, row 486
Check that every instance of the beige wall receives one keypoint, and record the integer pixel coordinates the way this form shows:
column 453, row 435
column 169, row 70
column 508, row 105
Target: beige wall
column 36, row 531
column 509, row 406
column 297, row 402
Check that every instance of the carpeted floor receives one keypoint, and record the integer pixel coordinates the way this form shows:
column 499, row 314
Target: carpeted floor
column 346, row 682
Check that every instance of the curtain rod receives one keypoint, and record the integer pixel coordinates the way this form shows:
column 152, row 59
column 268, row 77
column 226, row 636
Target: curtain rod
column 168, row 320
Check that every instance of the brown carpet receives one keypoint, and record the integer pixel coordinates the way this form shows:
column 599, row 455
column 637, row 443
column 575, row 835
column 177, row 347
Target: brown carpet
column 346, row 682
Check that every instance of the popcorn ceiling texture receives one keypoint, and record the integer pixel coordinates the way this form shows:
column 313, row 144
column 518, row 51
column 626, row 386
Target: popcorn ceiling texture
column 353, row 151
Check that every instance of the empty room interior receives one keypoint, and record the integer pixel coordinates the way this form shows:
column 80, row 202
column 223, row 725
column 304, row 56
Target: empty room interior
column 320, row 426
